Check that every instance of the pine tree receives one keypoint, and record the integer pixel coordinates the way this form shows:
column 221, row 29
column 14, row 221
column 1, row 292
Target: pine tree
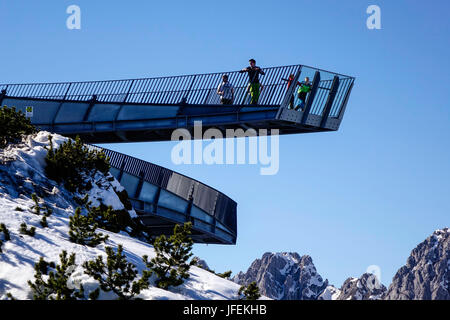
column 170, row 264
column 36, row 207
column 56, row 286
column 48, row 211
column 117, row 275
column 13, row 125
column 9, row 296
column 251, row 292
column 43, row 222
column 82, row 230
column 72, row 162
column 30, row 232
column 109, row 219
column 5, row 231
column 225, row 275
column 115, row 220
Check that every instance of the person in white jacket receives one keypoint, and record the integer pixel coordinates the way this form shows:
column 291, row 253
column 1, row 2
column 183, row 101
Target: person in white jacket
column 226, row 91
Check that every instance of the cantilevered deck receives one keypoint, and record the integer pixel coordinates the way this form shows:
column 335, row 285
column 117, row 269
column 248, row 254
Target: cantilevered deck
column 150, row 109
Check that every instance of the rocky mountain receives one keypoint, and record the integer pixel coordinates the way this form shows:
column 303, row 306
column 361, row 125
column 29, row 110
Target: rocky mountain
column 366, row 287
column 289, row 276
column 330, row 293
column 426, row 274
column 284, row 276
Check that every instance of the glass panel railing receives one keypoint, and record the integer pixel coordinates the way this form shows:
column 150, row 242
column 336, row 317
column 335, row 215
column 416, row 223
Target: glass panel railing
column 171, row 201
column 201, row 215
column 130, row 183
column 148, row 192
column 297, row 97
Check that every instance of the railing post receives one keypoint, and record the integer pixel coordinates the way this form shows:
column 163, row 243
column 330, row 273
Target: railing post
column 186, row 96
column 124, row 100
column 187, row 213
column 122, row 167
column 312, row 94
column 67, row 91
column 330, row 100
column 60, row 105
column 91, row 104
column 141, row 183
column 128, row 92
column 158, row 192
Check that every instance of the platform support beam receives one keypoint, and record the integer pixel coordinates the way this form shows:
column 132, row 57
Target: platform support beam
column 157, row 195
column 92, row 102
column 122, row 167
column 124, row 101
column 141, row 183
column 310, row 99
column 330, row 100
column 60, row 105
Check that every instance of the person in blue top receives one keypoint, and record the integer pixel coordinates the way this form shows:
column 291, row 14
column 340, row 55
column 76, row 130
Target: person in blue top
column 303, row 90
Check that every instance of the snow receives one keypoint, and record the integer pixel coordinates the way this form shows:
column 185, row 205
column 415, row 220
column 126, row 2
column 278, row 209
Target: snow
column 22, row 252
column 330, row 293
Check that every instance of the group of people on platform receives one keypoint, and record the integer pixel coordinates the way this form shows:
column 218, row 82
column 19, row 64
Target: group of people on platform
column 226, row 90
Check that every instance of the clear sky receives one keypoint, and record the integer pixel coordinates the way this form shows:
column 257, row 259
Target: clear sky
column 365, row 195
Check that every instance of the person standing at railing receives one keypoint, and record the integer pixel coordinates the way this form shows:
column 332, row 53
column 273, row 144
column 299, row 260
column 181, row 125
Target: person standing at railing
column 305, row 88
column 226, row 91
column 289, row 82
column 254, row 87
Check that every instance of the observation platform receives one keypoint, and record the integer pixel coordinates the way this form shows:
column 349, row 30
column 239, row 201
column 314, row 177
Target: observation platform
column 150, row 109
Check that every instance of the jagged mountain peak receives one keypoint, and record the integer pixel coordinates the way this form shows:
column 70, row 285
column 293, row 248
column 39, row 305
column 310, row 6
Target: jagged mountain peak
column 426, row 274
column 284, row 276
column 366, row 287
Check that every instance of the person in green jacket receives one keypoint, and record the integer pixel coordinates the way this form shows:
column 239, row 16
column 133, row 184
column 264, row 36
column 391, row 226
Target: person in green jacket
column 254, row 87
column 303, row 90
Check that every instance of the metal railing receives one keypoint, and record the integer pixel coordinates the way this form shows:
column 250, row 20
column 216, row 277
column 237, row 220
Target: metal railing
column 197, row 89
column 323, row 90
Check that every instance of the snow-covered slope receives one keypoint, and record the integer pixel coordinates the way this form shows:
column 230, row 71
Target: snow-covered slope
column 21, row 174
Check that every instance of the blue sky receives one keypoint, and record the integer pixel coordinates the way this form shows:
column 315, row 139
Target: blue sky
column 365, row 195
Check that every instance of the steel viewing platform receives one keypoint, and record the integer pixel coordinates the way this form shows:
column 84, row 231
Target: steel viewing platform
column 150, row 109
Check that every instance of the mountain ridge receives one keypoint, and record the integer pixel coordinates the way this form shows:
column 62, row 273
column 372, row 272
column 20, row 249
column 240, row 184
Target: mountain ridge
column 425, row 276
